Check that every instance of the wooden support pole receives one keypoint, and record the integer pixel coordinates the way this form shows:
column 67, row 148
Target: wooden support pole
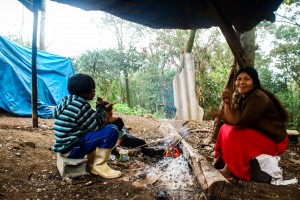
column 33, row 65
column 230, row 86
column 236, row 47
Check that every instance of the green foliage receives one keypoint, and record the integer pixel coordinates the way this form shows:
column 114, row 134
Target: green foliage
column 213, row 59
column 151, row 69
column 289, row 13
column 289, row 2
column 273, row 81
column 151, row 90
column 213, row 82
column 100, row 64
column 286, row 92
column 125, row 109
column 280, row 69
column 106, row 67
column 290, row 99
column 287, row 51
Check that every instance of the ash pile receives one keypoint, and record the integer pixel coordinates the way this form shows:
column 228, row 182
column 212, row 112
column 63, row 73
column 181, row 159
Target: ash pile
column 168, row 172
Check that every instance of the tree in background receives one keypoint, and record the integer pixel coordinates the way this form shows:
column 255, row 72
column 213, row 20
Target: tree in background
column 158, row 60
column 127, row 35
column 42, row 45
column 100, row 65
column 213, row 59
column 105, row 67
column 280, row 66
column 163, row 56
column 286, row 51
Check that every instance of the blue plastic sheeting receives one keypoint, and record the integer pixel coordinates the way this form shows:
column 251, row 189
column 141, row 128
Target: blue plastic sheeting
column 53, row 72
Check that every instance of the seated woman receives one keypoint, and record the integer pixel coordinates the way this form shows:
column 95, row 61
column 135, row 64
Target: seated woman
column 254, row 124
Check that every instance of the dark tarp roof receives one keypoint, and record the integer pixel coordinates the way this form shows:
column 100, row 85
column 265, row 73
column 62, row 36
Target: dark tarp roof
column 184, row 14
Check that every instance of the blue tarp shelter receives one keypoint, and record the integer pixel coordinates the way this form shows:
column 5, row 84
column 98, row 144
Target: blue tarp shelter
column 53, row 72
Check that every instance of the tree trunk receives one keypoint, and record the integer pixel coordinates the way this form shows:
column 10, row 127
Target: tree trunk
column 248, row 43
column 42, row 26
column 189, row 44
column 163, row 85
column 127, row 87
column 122, row 89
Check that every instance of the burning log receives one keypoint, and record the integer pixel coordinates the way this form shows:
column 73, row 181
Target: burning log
column 174, row 139
column 214, row 185
column 172, row 151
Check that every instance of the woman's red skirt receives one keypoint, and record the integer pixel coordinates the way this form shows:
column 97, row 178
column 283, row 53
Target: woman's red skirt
column 239, row 145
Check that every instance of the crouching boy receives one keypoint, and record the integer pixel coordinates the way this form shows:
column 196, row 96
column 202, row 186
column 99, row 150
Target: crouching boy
column 79, row 130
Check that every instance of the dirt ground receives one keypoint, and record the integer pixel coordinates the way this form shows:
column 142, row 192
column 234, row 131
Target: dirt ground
column 28, row 166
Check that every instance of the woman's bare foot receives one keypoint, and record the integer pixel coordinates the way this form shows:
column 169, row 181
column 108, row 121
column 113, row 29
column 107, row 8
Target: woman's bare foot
column 218, row 163
column 226, row 173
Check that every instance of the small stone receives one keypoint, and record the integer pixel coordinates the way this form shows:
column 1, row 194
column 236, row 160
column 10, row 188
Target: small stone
column 45, row 176
column 161, row 195
column 39, row 190
column 126, row 179
column 88, row 183
column 137, row 184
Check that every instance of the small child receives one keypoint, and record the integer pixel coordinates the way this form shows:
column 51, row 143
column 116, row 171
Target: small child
column 79, row 130
column 125, row 139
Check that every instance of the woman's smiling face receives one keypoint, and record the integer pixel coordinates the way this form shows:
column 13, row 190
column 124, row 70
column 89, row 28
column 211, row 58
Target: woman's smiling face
column 244, row 83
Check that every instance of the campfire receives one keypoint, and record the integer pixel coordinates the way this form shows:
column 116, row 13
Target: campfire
column 176, row 171
column 172, row 151
column 171, row 173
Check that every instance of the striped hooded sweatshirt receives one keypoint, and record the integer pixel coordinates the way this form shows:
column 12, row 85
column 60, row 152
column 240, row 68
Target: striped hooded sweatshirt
column 74, row 117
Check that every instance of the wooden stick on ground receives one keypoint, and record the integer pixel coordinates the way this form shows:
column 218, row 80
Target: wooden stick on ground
column 212, row 182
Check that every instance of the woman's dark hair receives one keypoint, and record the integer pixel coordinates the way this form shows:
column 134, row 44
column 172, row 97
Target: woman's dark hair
column 80, row 84
column 251, row 71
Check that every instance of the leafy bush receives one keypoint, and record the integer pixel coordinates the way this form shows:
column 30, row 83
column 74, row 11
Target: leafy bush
column 124, row 109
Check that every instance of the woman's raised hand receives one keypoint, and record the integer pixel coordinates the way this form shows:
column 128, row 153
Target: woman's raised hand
column 226, row 96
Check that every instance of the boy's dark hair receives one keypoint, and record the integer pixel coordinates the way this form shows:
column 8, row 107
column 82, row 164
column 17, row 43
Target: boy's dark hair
column 80, row 84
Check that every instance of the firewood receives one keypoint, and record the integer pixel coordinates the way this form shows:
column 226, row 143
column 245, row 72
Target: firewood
column 199, row 130
column 212, row 182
